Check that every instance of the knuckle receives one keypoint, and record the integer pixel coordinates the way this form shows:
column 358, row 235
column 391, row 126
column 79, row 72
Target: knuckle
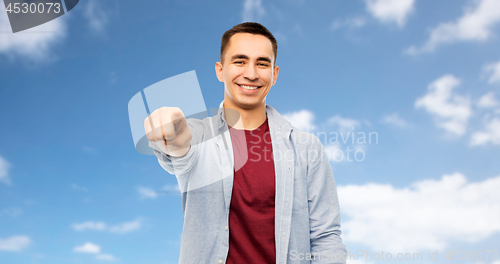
column 164, row 110
column 168, row 134
column 177, row 112
column 157, row 137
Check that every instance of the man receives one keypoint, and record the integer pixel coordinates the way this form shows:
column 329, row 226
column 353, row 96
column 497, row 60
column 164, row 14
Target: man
column 254, row 188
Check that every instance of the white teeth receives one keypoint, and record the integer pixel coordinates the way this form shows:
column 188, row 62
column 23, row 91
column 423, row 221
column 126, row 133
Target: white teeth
column 249, row 87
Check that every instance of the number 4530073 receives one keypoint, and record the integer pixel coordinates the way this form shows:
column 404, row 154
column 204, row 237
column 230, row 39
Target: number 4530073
column 33, row 8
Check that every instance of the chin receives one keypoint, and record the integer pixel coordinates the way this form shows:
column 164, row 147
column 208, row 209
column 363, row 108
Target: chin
column 249, row 105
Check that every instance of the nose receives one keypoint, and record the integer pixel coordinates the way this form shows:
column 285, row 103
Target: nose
column 250, row 72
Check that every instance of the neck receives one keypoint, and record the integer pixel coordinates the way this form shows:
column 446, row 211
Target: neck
column 248, row 119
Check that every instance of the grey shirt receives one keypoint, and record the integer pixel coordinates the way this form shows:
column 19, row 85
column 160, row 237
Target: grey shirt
column 307, row 216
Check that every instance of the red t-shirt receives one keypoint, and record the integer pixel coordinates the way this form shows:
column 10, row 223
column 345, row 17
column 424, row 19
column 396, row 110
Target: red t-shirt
column 251, row 213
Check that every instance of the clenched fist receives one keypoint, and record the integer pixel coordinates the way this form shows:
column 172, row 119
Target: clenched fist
column 167, row 127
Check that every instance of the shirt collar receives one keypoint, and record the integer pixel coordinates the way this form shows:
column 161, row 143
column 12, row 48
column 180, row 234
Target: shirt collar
column 274, row 118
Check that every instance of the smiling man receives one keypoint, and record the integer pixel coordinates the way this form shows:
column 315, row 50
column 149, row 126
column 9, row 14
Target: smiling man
column 255, row 189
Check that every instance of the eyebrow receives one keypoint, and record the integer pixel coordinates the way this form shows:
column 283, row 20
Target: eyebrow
column 243, row 56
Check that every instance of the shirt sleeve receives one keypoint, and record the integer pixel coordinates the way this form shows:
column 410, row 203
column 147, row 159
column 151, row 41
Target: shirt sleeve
column 324, row 212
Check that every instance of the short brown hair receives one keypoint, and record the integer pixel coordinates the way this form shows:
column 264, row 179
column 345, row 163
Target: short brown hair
column 252, row 28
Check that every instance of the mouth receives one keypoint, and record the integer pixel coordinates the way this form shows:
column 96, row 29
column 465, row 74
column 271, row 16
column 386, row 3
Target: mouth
column 249, row 87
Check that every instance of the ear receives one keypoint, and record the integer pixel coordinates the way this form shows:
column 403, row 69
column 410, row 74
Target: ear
column 275, row 76
column 218, row 71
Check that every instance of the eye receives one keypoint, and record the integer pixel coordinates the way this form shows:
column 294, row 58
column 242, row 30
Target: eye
column 238, row 62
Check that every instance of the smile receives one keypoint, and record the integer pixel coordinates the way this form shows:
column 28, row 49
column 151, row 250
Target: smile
column 247, row 87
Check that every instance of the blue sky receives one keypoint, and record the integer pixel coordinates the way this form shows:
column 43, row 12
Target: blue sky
column 424, row 76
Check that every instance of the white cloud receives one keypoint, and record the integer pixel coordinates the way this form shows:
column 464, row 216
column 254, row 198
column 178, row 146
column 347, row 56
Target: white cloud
column 343, row 124
column 34, row 44
column 450, row 110
column 342, row 153
column 146, row 193
column 493, row 70
column 97, row 18
column 101, row 226
column 106, row 257
column 302, row 119
column 475, row 25
column 172, row 188
column 90, row 225
column 94, row 249
column 487, row 101
column 430, row 212
column 341, row 142
column 352, row 22
column 490, row 134
column 252, row 10
column 394, row 119
column 334, row 153
column 4, row 171
column 88, row 248
column 126, row 227
column 15, row 243
column 391, row 11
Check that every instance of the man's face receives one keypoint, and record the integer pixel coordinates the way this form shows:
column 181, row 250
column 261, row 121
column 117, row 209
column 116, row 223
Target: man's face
column 248, row 71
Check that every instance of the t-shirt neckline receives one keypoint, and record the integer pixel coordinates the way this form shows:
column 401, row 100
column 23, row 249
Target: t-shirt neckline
column 250, row 131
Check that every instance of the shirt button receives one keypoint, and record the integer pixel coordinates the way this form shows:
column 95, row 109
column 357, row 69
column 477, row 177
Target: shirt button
column 226, row 228
column 289, row 168
column 220, row 261
column 283, row 235
column 279, row 128
column 287, row 200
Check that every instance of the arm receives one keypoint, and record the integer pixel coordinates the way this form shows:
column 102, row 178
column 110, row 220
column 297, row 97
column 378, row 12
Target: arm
column 170, row 135
column 324, row 212
column 175, row 165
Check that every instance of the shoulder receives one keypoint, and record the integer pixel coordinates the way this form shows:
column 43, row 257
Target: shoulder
column 305, row 139
column 306, row 146
column 301, row 139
